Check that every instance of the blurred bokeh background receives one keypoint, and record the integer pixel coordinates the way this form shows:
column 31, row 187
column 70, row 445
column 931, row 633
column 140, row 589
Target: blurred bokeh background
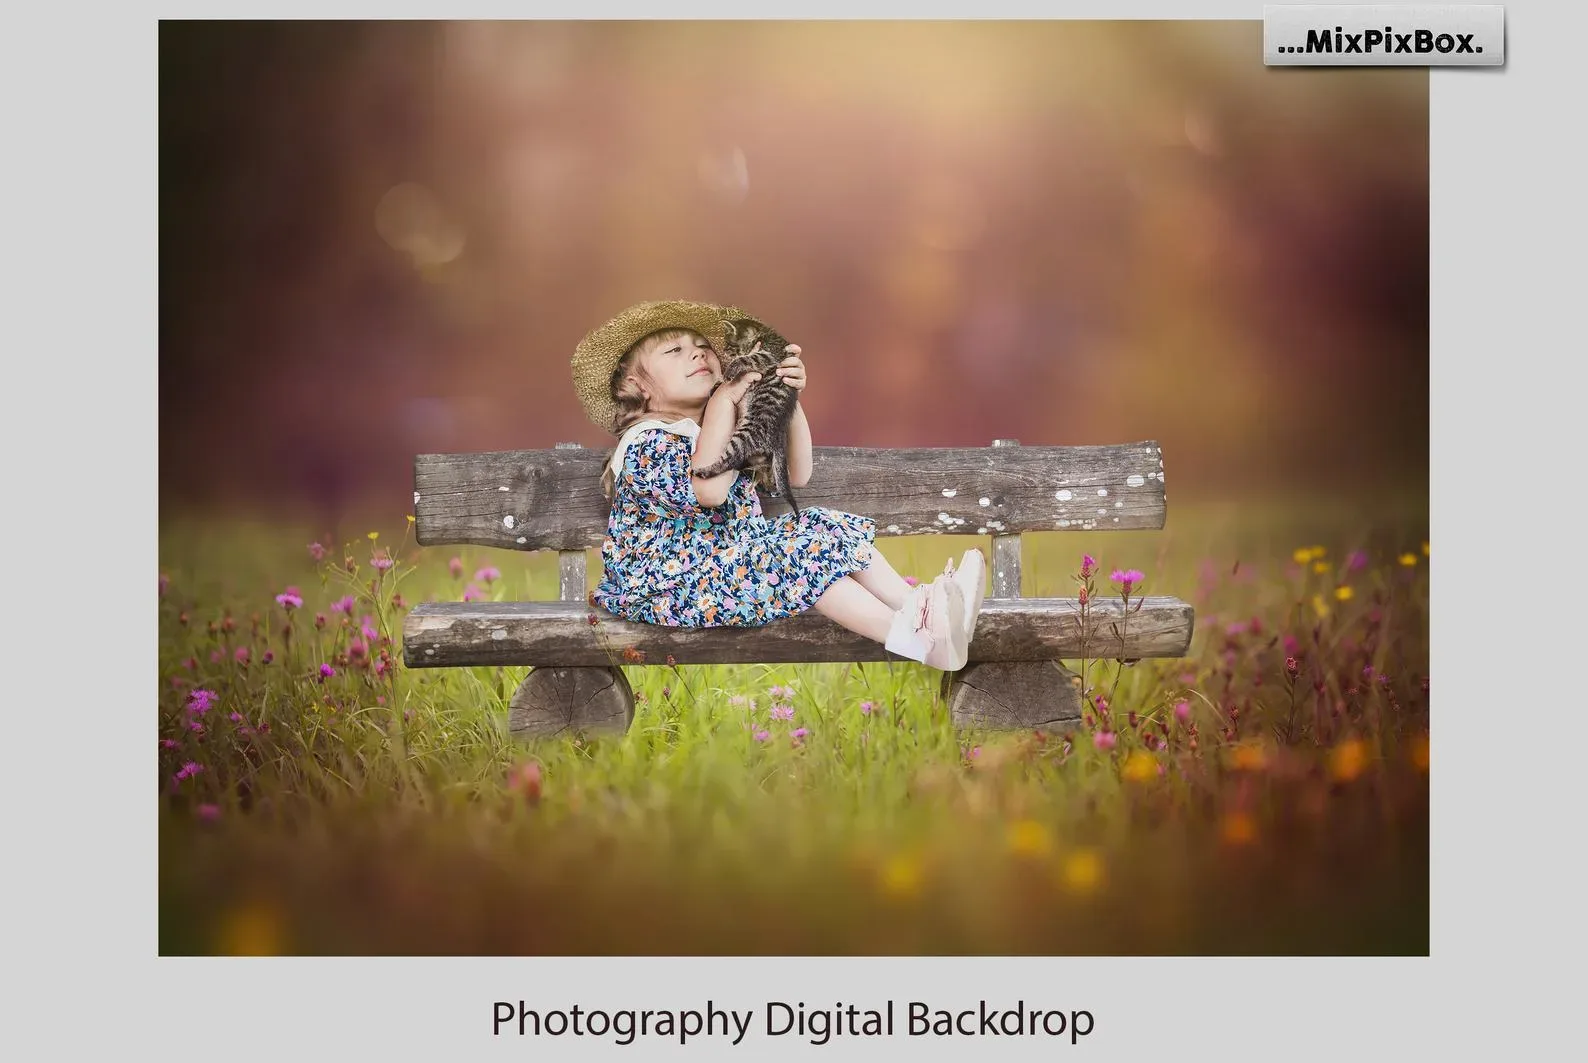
column 380, row 239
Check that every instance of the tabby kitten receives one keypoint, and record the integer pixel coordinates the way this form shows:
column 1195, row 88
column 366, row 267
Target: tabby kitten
column 760, row 442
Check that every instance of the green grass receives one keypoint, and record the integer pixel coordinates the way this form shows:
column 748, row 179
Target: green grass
column 393, row 813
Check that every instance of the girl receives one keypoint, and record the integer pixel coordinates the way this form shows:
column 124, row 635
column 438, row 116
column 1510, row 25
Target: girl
column 687, row 551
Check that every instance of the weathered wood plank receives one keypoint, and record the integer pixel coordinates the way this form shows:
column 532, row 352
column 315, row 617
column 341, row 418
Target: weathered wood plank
column 1006, row 553
column 450, row 634
column 551, row 499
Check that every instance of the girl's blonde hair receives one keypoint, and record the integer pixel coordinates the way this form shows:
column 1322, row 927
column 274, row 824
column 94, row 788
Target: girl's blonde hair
column 627, row 395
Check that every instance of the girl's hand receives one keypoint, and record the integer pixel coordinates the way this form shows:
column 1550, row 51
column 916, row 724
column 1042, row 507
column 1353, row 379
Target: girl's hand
column 733, row 392
column 791, row 370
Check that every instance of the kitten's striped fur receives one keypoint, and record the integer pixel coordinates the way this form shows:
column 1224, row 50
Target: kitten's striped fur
column 760, row 442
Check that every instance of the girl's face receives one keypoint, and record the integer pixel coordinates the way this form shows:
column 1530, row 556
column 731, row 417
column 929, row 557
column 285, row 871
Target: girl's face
column 682, row 370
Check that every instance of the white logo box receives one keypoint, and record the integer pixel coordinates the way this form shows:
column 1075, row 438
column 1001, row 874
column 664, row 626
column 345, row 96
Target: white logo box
column 1384, row 35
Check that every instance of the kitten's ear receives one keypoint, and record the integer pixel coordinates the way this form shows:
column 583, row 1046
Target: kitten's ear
column 729, row 332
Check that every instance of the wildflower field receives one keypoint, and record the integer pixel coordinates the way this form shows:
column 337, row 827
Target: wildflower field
column 1267, row 794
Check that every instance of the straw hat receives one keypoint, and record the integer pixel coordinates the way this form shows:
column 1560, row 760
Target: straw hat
column 597, row 355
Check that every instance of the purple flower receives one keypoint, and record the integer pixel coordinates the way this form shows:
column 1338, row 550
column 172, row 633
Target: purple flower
column 762, row 736
column 170, row 743
column 367, row 626
column 1088, row 565
column 344, row 605
column 317, row 551
column 381, row 562
column 236, row 717
column 866, row 707
column 1104, row 740
column 798, row 732
column 290, row 598
column 1127, row 578
column 326, row 671
column 200, row 700
column 782, row 712
column 208, row 813
column 189, row 770
column 1182, row 711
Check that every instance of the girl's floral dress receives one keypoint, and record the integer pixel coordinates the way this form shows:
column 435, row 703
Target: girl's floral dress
column 668, row 560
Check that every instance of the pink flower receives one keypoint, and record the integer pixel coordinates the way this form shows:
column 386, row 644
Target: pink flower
column 762, row 736
column 1088, row 565
column 455, row 566
column 780, row 692
column 269, row 656
column 738, row 699
column 344, row 605
column 317, row 551
column 381, row 667
column 866, row 707
column 487, row 575
column 367, row 627
column 911, row 580
column 472, row 593
column 782, row 712
column 356, row 648
column 189, row 770
column 1127, row 578
column 326, row 671
column 216, row 656
column 798, row 732
column 1182, row 711
column 196, row 727
column 1357, row 559
column 170, row 743
column 241, row 655
column 208, row 813
column 236, row 717
column 1104, row 740
column 290, row 598
column 381, row 562
column 975, row 751
column 199, row 701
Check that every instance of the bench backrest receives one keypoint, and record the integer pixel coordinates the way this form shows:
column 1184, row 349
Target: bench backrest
column 552, row 500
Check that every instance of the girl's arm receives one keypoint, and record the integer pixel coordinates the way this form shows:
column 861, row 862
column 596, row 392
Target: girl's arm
column 799, row 448
column 716, row 428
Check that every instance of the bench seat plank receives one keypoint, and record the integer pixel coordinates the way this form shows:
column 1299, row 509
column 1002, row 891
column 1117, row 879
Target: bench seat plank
column 540, row 634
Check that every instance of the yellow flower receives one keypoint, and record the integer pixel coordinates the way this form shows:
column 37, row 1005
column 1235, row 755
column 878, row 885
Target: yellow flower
column 374, row 535
column 1320, row 567
column 1318, row 606
column 254, row 929
column 1140, row 766
column 1027, row 837
column 1083, row 870
column 1348, row 759
column 1344, row 593
column 1238, row 828
column 410, row 518
column 1408, row 559
column 1249, row 756
column 1302, row 555
column 901, row 876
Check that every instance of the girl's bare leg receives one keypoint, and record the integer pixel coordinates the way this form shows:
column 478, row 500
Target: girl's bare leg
column 850, row 605
column 882, row 581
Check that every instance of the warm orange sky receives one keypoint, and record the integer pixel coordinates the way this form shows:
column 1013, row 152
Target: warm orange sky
column 1060, row 232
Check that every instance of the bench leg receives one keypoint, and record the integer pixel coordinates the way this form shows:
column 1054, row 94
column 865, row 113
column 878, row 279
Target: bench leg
column 1014, row 696
column 551, row 701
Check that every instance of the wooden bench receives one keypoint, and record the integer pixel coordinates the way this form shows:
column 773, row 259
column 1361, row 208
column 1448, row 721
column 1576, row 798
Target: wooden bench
column 552, row 500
